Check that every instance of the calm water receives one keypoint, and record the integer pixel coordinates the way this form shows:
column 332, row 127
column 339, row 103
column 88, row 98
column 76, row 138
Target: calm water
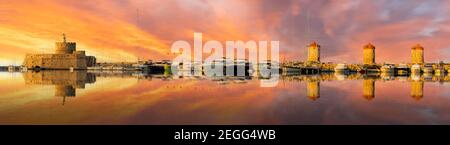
column 62, row 97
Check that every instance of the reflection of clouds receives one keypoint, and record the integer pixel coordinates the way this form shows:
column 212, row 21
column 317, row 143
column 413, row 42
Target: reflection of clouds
column 126, row 30
column 65, row 82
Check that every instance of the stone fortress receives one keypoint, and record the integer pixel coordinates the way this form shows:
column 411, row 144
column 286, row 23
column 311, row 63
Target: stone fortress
column 65, row 57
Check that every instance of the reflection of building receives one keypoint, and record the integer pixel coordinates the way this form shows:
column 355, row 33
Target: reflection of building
column 65, row 81
column 417, row 89
column 65, row 57
column 369, row 89
column 313, row 90
column 369, row 54
column 314, row 52
column 417, row 54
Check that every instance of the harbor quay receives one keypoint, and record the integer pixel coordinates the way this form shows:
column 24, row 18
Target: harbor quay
column 67, row 57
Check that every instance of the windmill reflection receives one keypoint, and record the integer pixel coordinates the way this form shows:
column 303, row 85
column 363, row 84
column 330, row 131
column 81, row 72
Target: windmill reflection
column 66, row 82
column 417, row 89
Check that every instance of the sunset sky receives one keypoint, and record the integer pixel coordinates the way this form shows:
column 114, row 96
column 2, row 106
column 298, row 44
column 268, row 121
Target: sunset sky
column 125, row 30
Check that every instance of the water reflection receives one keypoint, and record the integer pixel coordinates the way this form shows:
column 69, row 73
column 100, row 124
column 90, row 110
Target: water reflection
column 417, row 89
column 65, row 82
column 141, row 98
column 313, row 90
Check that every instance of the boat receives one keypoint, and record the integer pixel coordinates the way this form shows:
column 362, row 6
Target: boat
column 340, row 76
column 341, row 68
column 11, row 68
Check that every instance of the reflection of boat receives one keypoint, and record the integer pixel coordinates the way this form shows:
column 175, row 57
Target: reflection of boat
column 428, row 68
column 402, row 69
column 372, row 71
column 415, row 68
column 387, row 72
column 229, row 67
column 402, row 78
column 341, row 68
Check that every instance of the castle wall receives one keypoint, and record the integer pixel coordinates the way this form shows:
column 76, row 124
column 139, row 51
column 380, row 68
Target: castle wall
column 56, row 61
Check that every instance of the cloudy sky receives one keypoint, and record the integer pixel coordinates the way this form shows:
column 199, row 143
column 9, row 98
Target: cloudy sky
column 125, row 30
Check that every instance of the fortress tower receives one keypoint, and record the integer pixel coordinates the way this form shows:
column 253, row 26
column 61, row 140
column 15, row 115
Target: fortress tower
column 65, row 47
column 313, row 52
column 369, row 54
column 417, row 54
column 313, row 90
column 369, row 89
